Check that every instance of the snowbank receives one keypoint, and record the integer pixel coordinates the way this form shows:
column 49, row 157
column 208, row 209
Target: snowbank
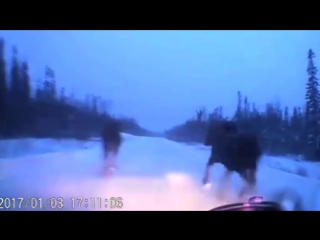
column 301, row 168
column 23, row 147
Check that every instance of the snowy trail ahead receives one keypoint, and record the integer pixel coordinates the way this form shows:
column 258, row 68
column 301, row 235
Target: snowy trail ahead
column 154, row 174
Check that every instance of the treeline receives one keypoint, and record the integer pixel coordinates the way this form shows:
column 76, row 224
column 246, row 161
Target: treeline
column 47, row 111
column 281, row 130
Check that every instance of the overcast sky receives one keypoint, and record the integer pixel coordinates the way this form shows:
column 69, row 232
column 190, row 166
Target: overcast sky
column 161, row 77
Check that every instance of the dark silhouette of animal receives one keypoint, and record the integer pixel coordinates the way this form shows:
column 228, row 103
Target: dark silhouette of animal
column 238, row 152
column 111, row 142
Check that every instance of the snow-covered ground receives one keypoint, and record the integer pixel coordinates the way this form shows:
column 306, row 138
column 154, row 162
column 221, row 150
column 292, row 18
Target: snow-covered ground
column 154, row 174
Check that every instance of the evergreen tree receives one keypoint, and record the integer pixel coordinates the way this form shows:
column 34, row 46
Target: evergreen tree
column 3, row 89
column 25, row 83
column 15, row 120
column 25, row 99
column 14, row 77
column 48, row 114
column 312, row 107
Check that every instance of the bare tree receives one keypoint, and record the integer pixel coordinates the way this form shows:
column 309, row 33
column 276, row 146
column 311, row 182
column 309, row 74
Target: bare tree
column 200, row 114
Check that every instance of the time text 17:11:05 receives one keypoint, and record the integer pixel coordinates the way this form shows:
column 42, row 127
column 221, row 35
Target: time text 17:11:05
column 96, row 203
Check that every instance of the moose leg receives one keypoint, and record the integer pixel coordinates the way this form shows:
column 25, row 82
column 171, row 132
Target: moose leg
column 224, row 186
column 110, row 158
column 113, row 154
column 244, row 177
column 207, row 174
column 249, row 177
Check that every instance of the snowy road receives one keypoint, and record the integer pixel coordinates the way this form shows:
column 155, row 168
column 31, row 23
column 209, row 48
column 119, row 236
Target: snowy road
column 154, row 174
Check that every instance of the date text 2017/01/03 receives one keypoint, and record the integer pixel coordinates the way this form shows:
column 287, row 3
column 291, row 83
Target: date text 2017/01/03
column 96, row 203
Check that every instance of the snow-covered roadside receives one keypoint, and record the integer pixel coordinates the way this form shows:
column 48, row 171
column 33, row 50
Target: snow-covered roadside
column 143, row 161
column 288, row 164
column 24, row 147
